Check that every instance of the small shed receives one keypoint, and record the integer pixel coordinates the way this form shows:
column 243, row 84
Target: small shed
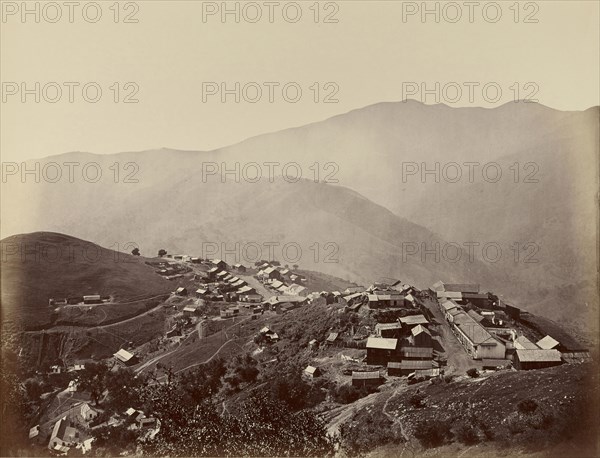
column 311, row 372
column 125, row 358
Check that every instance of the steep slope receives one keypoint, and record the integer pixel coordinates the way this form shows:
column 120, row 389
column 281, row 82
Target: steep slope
column 44, row 265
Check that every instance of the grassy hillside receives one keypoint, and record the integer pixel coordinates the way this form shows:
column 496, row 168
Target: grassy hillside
column 57, row 266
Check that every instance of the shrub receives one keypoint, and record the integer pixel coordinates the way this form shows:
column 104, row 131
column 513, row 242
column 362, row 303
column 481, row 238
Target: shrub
column 433, row 433
column 417, row 399
column 473, row 372
column 527, row 406
column 467, row 433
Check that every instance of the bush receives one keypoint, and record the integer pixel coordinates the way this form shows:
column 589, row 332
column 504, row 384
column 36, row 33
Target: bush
column 433, row 433
column 473, row 372
column 346, row 394
column 417, row 399
column 467, row 434
column 527, row 406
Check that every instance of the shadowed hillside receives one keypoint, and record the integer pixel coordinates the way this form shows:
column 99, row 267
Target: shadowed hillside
column 44, row 265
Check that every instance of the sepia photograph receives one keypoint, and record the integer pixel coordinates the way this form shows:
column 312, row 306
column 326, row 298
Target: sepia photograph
column 312, row 228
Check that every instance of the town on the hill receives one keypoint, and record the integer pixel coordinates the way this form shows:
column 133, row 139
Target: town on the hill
column 386, row 333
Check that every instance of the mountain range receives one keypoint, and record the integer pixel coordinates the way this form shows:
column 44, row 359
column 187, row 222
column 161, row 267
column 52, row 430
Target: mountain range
column 378, row 208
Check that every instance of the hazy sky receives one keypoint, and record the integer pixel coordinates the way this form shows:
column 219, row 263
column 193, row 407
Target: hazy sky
column 371, row 54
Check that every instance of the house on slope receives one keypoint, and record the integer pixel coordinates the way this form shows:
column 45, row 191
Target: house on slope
column 125, row 358
column 371, row 378
column 406, row 367
column 536, row 359
column 388, row 330
column 296, row 290
column 420, row 337
column 411, row 321
column 382, row 350
column 476, row 340
column 311, row 372
column 219, row 264
column 272, row 273
column 523, row 343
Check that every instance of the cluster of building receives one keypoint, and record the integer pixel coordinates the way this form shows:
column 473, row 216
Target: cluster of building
column 487, row 335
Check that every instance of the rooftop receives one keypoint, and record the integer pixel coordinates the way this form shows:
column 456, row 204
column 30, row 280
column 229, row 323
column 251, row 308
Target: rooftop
column 381, row 343
column 538, row 355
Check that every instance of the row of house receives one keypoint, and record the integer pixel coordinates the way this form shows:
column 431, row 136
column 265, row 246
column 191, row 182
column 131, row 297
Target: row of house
column 489, row 343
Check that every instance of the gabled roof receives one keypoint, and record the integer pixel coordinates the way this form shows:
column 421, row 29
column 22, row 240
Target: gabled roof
column 310, row 370
column 539, row 355
column 523, row 343
column 414, row 319
column 213, row 269
column 268, row 270
column 456, row 295
column 547, row 343
column 365, row 375
column 448, row 305
column 419, row 329
column 295, row 290
column 381, row 343
column 245, row 289
column 416, row 352
column 276, row 284
column 394, row 325
column 332, row 337
column 438, row 286
column 123, row 355
column 476, row 316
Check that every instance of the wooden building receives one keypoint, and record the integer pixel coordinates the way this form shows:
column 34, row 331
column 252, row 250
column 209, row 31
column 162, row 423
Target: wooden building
column 360, row 379
column 381, row 350
column 536, row 359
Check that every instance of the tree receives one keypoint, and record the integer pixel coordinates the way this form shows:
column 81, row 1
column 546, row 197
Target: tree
column 135, row 252
column 162, row 252
column 296, row 266
column 473, row 372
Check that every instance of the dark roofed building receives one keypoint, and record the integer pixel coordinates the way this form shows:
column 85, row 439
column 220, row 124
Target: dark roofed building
column 406, row 367
column 382, row 350
column 416, row 353
column 372, row 378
